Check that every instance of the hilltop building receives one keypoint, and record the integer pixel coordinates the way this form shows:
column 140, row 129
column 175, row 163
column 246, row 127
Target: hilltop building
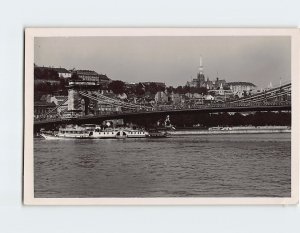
column 241, row 86
column 63, row 73
column 200, row 81
column 92, row 76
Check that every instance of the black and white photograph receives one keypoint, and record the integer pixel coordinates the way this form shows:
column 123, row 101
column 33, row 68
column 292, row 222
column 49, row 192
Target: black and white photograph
column 159, row 116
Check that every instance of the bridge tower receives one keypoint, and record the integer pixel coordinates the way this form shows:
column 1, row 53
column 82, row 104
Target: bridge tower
column 72, row 97
column 79, row 105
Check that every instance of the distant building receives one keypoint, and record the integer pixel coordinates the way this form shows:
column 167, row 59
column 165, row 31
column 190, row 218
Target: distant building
column 87, row 75
column 209, row 98
column 219, row 83
column 93, row 76
column 161, row 97
column 197, row 96
column 41, row 108
column 200, row 81
column 189, row 95
column 63, row 73
column 219, row 91
column 194, row 95
column 149, row 97
column 103, row 79
column 175, row 98
column 240, row 87
column 209, row 84
column 221, row 95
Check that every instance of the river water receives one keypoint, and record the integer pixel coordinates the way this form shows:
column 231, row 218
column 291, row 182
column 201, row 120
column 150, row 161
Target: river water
column 253, row 165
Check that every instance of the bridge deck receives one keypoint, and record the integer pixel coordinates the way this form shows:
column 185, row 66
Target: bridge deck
column 86, row 119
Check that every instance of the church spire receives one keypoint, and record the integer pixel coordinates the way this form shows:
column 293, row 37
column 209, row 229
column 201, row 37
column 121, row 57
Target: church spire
column 201, row 65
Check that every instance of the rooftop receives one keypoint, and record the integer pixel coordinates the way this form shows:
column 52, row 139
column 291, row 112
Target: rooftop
column 241, row 83
column 103, row 77
column 87, row 72
column 58, row 70
column 43, row 104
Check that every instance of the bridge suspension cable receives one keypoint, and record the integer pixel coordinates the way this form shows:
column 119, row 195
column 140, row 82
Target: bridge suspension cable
column 286, row 89
column 121, row 102
column 53, row 109
column 110, row 101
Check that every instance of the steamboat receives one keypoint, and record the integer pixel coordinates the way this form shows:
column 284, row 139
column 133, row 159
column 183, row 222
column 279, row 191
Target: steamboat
column 93, row 132
column 69, row 132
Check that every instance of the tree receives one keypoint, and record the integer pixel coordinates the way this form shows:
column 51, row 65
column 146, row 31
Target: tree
column 74, row 76
column 45, row 73
column 202, row 90
column 118, row 87
column 139, row 90
column 186, row 89
column 152, row 88
column 170, row 89
column 179, row 90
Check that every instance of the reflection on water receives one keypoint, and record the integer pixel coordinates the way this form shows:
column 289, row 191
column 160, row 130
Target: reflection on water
column 187, row 166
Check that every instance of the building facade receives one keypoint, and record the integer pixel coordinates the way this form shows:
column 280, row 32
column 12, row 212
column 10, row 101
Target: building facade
column 43, row 109
column 87, row 75
column 161, row 97
column 91, row 76
column 239, row 87
column 63, row 73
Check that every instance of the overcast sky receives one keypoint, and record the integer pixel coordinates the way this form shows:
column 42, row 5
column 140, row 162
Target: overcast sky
column 173, row 60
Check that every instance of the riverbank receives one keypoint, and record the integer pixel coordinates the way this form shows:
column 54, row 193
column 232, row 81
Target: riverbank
column 233, row 130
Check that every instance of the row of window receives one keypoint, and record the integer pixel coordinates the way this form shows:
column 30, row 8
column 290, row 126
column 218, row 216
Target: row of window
column 97, row 130
column 136, row 132
column 72, row 132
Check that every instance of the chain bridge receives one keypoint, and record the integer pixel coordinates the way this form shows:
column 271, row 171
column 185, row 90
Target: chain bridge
column 85, row 104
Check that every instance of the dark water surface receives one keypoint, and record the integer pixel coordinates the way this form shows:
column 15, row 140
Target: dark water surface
column 256, row 165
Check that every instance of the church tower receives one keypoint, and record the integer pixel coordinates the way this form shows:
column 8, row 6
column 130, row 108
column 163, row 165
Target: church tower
column 200, row 66
column 200, row 75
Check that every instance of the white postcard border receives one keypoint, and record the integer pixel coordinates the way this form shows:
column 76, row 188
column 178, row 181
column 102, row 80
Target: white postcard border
column 28, row 183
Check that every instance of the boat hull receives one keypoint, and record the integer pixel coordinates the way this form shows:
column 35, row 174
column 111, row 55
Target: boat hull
column 59, row 137
column 97, row 134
